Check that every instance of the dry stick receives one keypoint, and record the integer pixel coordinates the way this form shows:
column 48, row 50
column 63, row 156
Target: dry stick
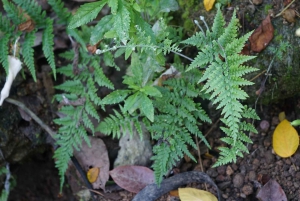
column 52, row 134
column 285, row 9
column 200, row 160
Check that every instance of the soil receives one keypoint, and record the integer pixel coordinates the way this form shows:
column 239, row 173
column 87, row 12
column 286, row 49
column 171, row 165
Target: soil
column 37, row 178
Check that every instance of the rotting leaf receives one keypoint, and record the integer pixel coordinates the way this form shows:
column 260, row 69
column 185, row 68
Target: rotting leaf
column 289, row 15
column 192, row 194
column 285, row 139
column 132, row 178
column 271, row 191
column 262, row 36
column 94, row 156
column 208, row 4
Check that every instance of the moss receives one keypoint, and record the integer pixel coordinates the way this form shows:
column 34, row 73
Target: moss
column 267, row 8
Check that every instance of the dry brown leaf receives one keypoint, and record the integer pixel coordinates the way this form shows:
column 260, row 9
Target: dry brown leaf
column 271, row 191
column 262, row 36
column 27, row 26
column 289, row 15
column 94, row 156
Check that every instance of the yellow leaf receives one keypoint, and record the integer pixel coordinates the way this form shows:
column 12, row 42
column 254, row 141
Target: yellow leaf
column 208, row 4
column 281, row 116
column 285, row 139
column 92, row 174
column 192, row 194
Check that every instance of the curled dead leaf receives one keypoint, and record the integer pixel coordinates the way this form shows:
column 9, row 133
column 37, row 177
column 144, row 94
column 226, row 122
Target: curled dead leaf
column 262, row 36
column 27, row 26
column 289, row 15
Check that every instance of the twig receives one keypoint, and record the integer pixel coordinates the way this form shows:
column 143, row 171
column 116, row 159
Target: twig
column 32, row 115
column 200, row 160
column 52, row 134
column 285, row 9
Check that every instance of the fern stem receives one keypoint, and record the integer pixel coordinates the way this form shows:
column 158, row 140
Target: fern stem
column 198, row 25
column 98, row 51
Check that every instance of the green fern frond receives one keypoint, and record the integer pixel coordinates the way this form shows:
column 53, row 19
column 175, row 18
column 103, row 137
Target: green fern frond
column 61, row 11
column 34, row 10
column 101, row 79
column 86, row 13
column 92, row 91
column 91, row 110
column 28, row 53
column 48, row 42
column 13, row 13
column 4, row 52
column 71, row 86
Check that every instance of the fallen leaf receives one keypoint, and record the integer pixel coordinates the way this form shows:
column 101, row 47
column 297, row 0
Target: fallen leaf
column 262, row 36
column 132, row 178
column 289, row 15
column 208, row 4
column 192, row 194
column 271, row 191
column 281, row 116
column 94, row 156
column 92, row 174
column 285, row 139
column 27, row 26
column 174, row 193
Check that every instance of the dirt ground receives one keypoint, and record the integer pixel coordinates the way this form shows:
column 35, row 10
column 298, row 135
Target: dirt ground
column 37, row 178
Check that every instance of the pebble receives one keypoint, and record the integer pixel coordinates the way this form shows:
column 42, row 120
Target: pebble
column 229, row 170
column 212, row 172
column 252, row 176
column 238, row 180
column 224, row 185
column 298, row 175
column 247, row 189
column 221, row 170
column 296, row 185
column 269, row 157
column 256, row 162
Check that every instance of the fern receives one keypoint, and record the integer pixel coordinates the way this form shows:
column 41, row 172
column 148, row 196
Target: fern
column 48, row 42
column 32, row 8
column 28, row 53
column 86, row 13
column 223, row 81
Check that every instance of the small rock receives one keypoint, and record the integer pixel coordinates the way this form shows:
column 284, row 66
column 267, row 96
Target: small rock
column 224, row 185
column 256, row 162
column 275, row 121
column 238, row 180
column 220, row 178
column 234, row 167
column 252, row 175
column 229, row 170
column 206, row 163
column 269, row 157
column 296, row 185
column 247, row 189
column 267, row 142
column 221, row 170
column 212, row 172
column 264, row 125
column 287, row 161
column 257, row 2
column 298, row 175
column 225, row 196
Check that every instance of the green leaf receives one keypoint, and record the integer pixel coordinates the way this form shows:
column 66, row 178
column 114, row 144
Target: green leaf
column 28, row 53
column 113, row 4
column 86, row 13
column 116, row 96
column 48, row 42
column 137, row 7
column 4, row 52
column 102, row 27
column 296, row 122
column 146, row 107
column 122, row 23
column 131, row 102
column 151, row 91
column 168, row 5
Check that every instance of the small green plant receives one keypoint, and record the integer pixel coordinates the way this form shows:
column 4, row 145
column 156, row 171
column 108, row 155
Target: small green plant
column 168, row 110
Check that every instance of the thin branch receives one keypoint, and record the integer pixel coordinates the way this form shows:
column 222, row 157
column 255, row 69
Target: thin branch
column 285, row 9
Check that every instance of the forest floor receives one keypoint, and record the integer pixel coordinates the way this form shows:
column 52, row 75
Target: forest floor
column 37, row 178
